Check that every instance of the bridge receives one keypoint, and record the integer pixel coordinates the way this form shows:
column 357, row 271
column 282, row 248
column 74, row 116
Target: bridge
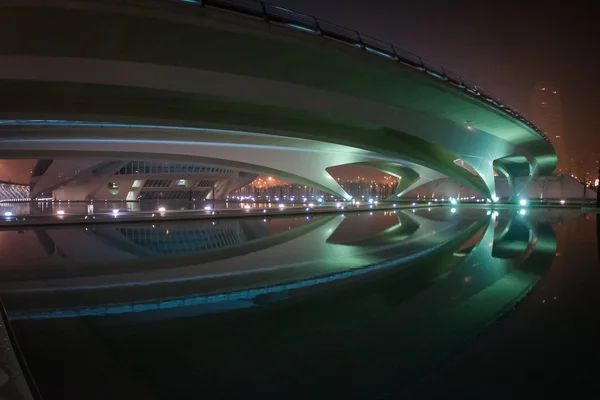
column 251, row 86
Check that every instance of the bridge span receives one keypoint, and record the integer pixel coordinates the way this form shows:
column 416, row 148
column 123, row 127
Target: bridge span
column 247, row 84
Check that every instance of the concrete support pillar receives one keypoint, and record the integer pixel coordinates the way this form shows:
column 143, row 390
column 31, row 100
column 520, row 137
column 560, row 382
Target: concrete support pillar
column 485, row 169
column 513, row 195
column 533, row 173
column 407, row 184
column 409, row 177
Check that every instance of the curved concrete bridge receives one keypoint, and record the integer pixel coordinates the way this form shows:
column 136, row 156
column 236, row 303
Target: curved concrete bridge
column 159, row 78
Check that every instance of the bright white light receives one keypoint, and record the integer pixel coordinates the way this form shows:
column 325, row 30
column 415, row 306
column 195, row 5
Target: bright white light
column 370, row 201
column 8, row 214
column 453, row 201
column 60, row 212
column 247, row 206
column 358, row 203
column 495, row 214
column 429, row 209
column 523, row 212
column 281, row 205
column 311, row 204
column 488, row 213
column 307, row 209
column 375, row 202
column 414, row 204
column 394, row 206
column 207, row 208
column 495, row 198
column 453, row 210
column 115, row 211
column 371, row 206
column 162, row 209
column 264, row 211
column 562, row 202
column 338, row 205
column 523, row 202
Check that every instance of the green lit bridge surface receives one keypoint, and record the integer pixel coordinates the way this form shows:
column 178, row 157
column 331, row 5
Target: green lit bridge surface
column 251, row 85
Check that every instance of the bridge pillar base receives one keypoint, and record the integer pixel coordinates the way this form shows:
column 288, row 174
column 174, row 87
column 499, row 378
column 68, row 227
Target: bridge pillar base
column 486, row 172
column 533, row 173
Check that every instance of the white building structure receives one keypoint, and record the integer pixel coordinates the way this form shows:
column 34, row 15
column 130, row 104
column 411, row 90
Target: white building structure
column 83, row 180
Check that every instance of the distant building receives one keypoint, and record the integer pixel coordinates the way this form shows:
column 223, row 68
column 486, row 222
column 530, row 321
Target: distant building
column 547, row 113
column 82, row 180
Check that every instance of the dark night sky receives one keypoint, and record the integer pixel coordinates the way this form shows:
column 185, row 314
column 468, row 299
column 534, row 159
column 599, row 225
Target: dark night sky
column 506, row 47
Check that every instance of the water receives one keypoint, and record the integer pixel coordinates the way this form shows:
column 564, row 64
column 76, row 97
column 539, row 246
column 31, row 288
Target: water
column 425, row 304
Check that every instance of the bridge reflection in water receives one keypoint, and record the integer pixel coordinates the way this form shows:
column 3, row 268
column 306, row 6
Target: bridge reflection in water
column 360, row 304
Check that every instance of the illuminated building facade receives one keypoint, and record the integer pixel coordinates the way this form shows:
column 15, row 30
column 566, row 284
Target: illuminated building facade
column 83, row 180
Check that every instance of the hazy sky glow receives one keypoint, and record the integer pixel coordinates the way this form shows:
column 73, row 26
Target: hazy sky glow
column 16, row 171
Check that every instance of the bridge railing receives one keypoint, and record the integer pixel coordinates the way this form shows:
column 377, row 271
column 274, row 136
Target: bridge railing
column 283, row 15
column 306, row 23
column 251, row 7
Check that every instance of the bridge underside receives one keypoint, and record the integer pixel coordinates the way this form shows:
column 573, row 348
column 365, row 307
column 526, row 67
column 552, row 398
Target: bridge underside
column 298, row 160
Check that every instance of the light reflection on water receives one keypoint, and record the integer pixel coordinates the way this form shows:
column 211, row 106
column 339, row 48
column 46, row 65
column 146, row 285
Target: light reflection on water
column 98, row 207
column 378, row 298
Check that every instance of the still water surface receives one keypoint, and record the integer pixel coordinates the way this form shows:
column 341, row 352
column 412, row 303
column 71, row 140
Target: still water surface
column 369, row 305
